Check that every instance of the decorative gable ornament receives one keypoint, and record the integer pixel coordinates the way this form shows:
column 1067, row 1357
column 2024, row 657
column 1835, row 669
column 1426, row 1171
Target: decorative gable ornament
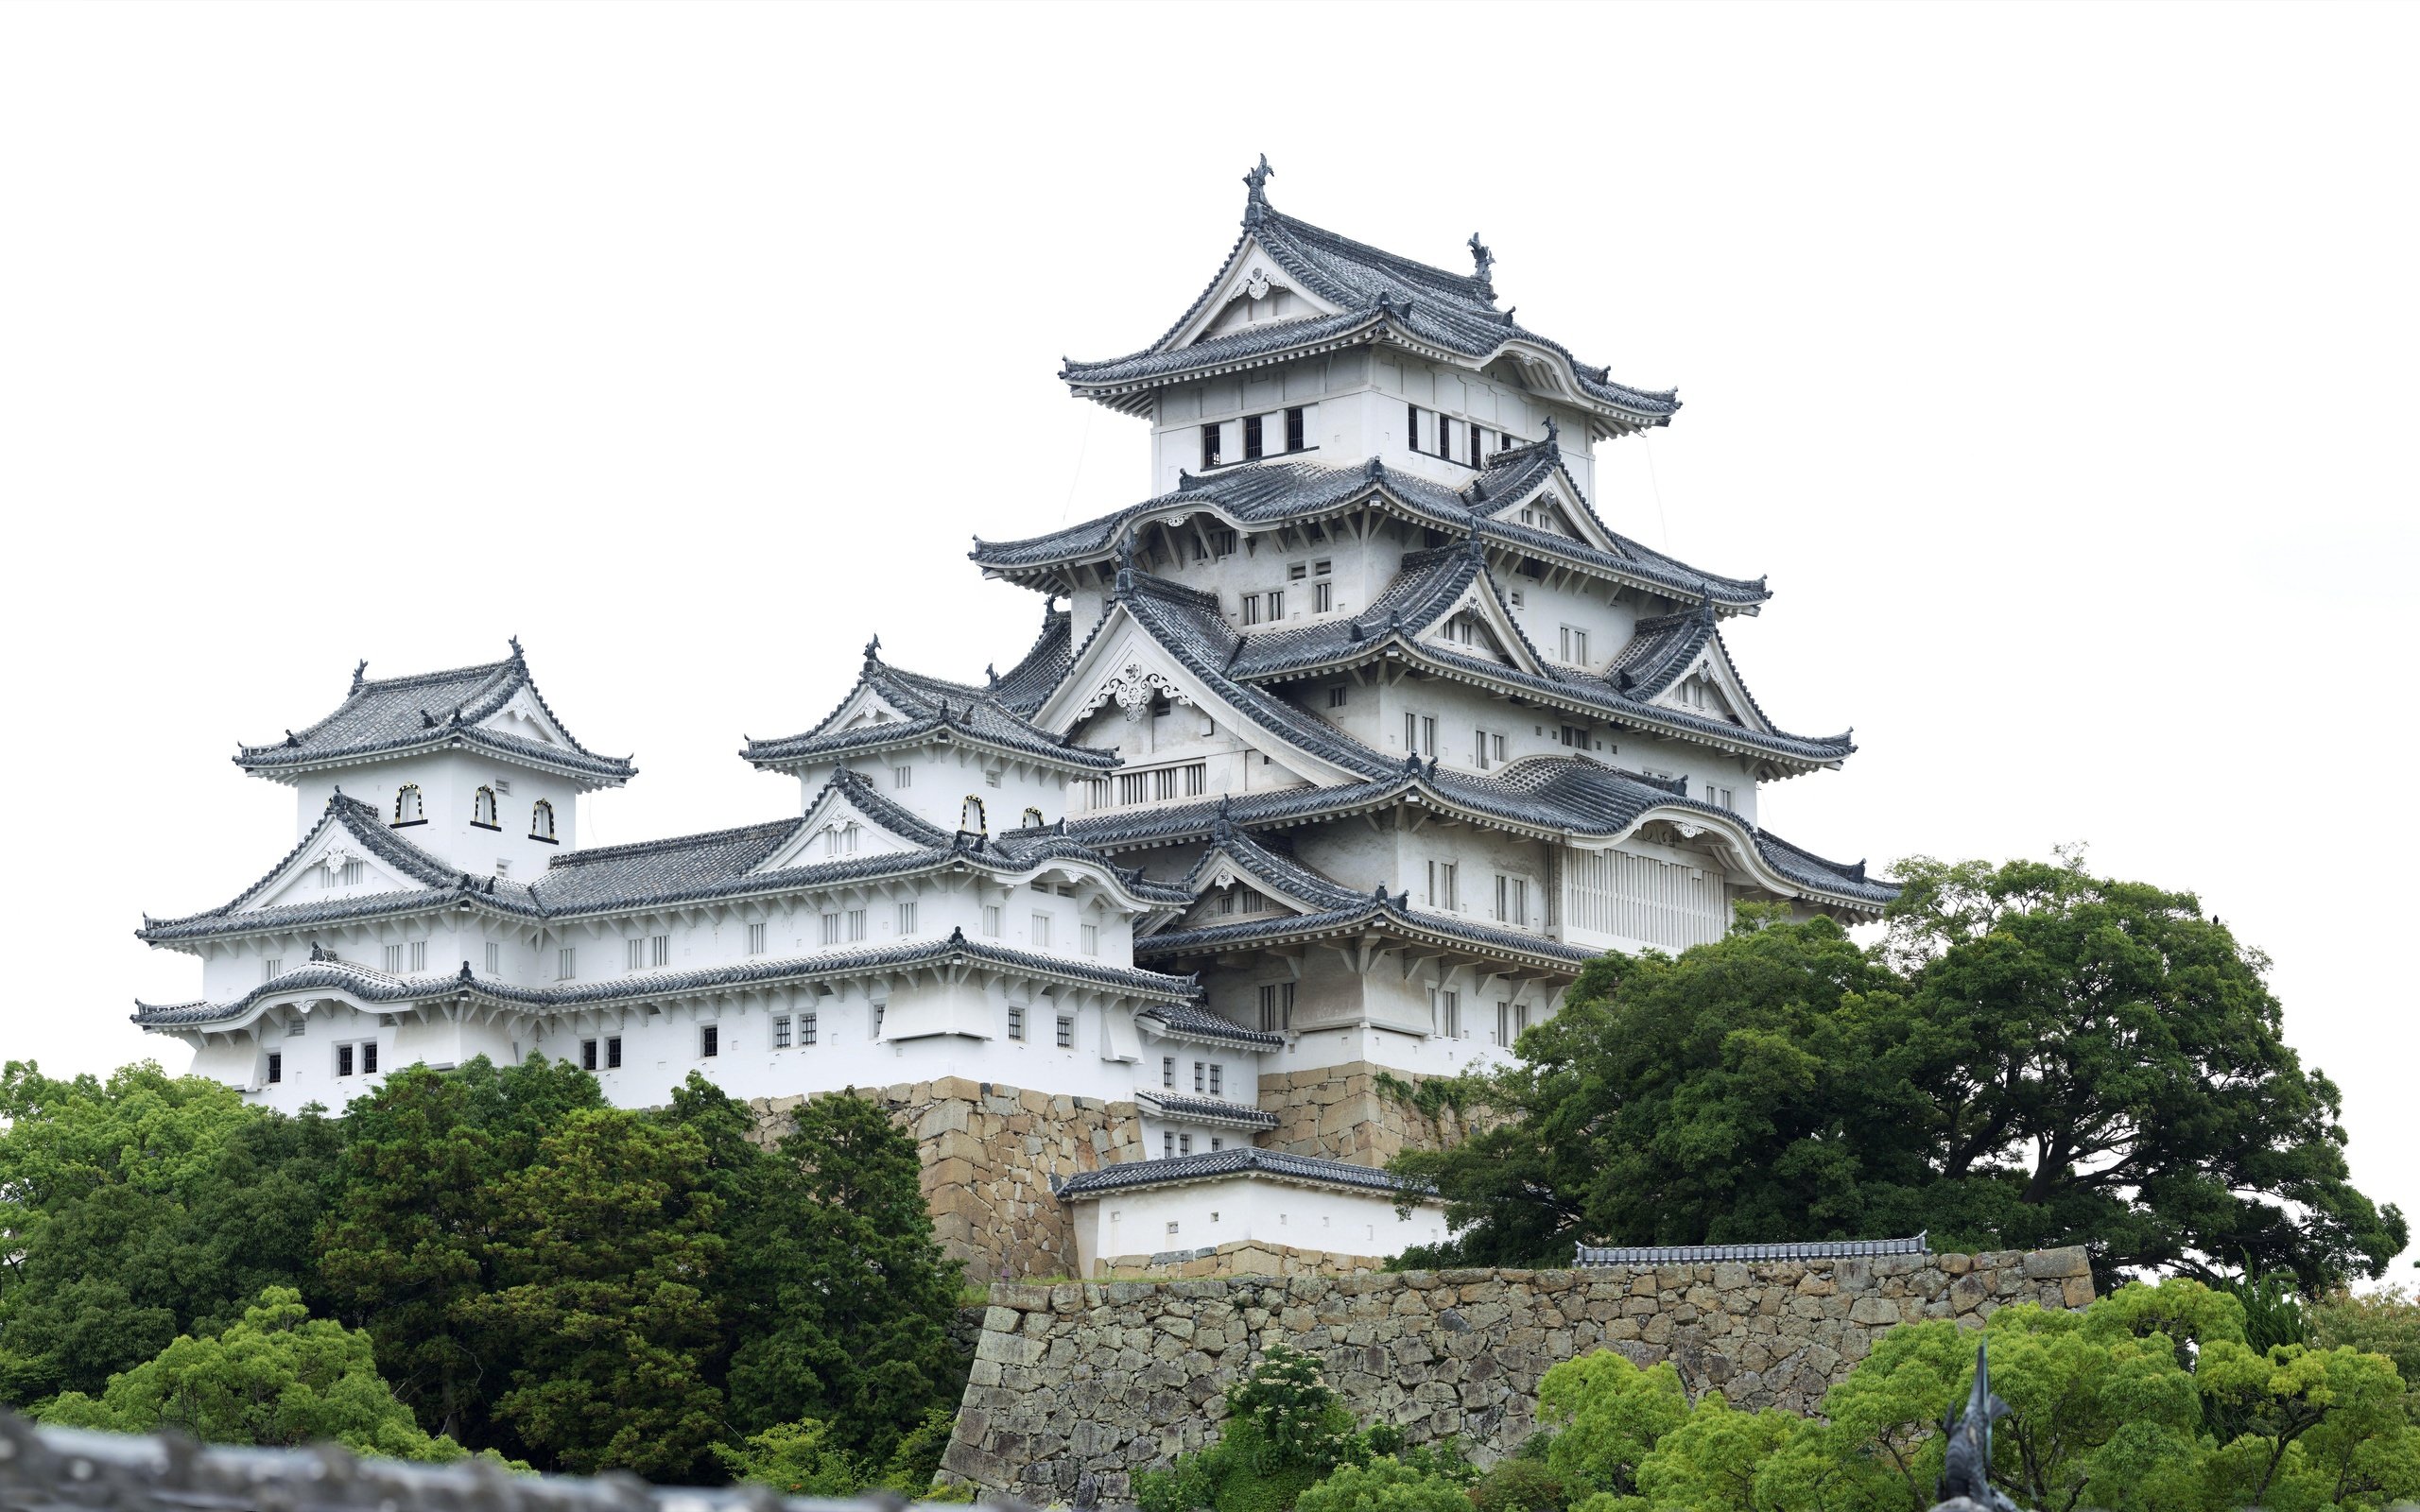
column 1257, row 286
column 1133, row 688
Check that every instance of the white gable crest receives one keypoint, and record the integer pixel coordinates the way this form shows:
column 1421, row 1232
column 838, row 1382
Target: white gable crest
column 1132, row 688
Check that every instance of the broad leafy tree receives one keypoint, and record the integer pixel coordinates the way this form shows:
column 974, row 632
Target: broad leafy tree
column 139, row 1209
column 2034, row 1056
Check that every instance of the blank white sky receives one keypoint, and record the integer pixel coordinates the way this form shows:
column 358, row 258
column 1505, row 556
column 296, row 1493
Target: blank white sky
column 2056, row 361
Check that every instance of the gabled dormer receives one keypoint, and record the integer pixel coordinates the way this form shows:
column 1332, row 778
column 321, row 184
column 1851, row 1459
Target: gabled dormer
column 470, row 762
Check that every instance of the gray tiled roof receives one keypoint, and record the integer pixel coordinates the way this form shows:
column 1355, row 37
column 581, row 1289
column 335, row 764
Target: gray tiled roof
column 1191, row 1020
column 1590, row 1255
column 1270, row 493
column 654, row 874
column 934, row 708
column 388, row 716
column 1207, row 1109
column 1373, row 290
column 366, row 986
column 442, row 885
column 1242, row 1160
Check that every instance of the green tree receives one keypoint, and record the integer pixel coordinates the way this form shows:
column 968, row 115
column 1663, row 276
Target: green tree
column 277, row 1376
column 138, row 1209
column 1710, row 1461
column 2036, row 1057
column 847, row 1297
column 1385, row 1485
column 409, row 1243
column 1607, row 1416
column 2310, row 1428
column 602, row 1249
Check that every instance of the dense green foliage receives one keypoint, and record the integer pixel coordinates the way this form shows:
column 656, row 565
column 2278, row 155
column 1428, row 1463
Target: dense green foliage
column 276, row 1377
column 2034, row 1056
column 530, row 1272
column 1287, row 1432
column 2149, row 1401
column 137, row 1209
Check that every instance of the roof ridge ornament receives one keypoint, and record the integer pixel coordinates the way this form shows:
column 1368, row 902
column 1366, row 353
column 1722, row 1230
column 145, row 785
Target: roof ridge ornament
column 1125, row 584
column 1256, row 182
column 1374, row 469
column 358, row 668
column 514, row 642
column 873, row 650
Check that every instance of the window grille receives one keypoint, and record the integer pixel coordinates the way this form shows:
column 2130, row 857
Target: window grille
column 588, row 1054
column 567, row 963
column 344, row 1060
column 831, row 929
column 1295, row 429
column 1040, row 939
column 781, row 1031
column 1277, row 1008
column 990, row 922
column 353, row 873
column 1200, row 1076
column 1066, row 1032
column 1089, row 936
column 1016, row 1021
column 1336, row 697
column 757, row 939
column 394, row 960
column 1252, row 608
column 907, row 917
column 418, row 955
column 276, row 1066
column 1276, row 605
column 614, row 1053
column 1252, row 438
column 1168, row 1072
column 709, row 1041
column 902, row 776
column 856, row 923
column 1168, row 1152
column 1218, row 1079
column 806, row 1028
column 369, row 1058
column 495, row 959
column 1209, row 447
column 1183, row 1146
column 272, row 969
column 1323, row 597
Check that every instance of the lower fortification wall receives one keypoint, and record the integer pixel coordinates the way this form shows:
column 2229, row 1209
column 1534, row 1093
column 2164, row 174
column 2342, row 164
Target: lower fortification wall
column 1347, row 1112
column 988, row 1153
column 1078, row 1387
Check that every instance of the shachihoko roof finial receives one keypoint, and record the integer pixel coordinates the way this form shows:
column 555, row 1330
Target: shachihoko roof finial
column 1554, row 432
column 1481, row 255
column 1257, row 181
column 514, row 642
column 358, row 668
column 874, row 648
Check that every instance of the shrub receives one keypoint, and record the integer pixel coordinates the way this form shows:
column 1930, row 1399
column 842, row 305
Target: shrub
column 1383, row 1485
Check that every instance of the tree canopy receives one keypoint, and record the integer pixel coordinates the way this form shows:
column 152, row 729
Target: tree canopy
column 2033, row 1057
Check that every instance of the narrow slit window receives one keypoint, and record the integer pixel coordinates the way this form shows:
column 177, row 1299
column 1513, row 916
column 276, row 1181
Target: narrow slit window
column 1209, row 447
column 1252, row 438
column 614, row 1053
column 709, row 1041
column 1295, row 429
column 757, row 939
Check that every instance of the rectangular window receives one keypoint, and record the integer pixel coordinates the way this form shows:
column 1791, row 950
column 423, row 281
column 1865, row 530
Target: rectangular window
column 1209, row 447
column 613, row 1051
column 902, row 776
column 369, row 1058
column 659, row 950
column 1185, row 1144
column 633, row 953
column 272, row 969
column 1168, row 1150
column 710, row 1040
column 503, row 867
column 1480, row 750
column 1575, row 645
column 757, row 939
column 495, row 959
column 1217, row 1080
column 1719, row 796
column 1504, row 1032
column 1428, row 736
column 353, row 873
column 990, row 920
column 806, row 1028
column 907, row 917
column 1296, row 573
column 1089, row 936
column 991, row 779
column 1277, row 1008
column 831, row 929
column 1442, row 885
column 781, row 1031
column 1252, row 438
column 567, row 963
column 1323, row 597
column 1512, row 899
column 1449, row 1014
column 1200, row 1076
column 1295, row 429
column 1411, row 428
column 1215, row 1145
column 1276, row 605
column 419, row 956
column 1016, row 1022
column 344, row 1060
column 588, row 1054
column 1040, row 939
column 395, row 955
column 1495, row 743
column 1336, row 697
column 276, row 1066
column 1222, row 543
column 1252, row 608
column 1168, row 1072
column 1066, row 1032
column 856, row 923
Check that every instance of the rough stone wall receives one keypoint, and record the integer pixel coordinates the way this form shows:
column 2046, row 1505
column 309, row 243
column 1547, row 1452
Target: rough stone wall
column 1338, row 1112
column 1103, row 1379
column 988, row 1153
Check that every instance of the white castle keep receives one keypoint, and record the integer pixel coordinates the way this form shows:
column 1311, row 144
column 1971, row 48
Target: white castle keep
column 1338, row 755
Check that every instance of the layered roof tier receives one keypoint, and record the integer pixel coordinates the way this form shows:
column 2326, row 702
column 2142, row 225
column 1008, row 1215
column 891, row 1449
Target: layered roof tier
column 1276, row 495
column 1359, row 295
column 493, row 708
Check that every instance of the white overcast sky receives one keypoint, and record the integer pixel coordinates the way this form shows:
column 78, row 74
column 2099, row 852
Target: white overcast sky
column 2056, row 361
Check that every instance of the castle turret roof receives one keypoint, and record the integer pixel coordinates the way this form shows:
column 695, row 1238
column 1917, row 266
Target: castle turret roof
column 462, row 707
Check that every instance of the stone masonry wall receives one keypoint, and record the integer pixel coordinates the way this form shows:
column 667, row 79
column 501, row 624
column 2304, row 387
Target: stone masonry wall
column 988, row 1153
column 1338, row 1112
column 1241, row 1257
column 1092, row 1382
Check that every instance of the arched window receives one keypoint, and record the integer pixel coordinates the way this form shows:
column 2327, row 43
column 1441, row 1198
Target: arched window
column 542, row 821
column 483, row 809
column 407, row 809
column 1033, row 818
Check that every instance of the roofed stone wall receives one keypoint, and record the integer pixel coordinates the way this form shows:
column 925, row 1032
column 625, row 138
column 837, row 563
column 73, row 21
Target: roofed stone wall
column 988, row 1153
column 1241, row 1257
column 1099, row 1380
column 1341, row 1113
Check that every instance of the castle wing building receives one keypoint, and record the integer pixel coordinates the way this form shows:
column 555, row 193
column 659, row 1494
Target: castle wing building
column 1335, row 759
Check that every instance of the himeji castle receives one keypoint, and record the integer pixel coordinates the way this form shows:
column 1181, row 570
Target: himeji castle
column 1334, row 760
